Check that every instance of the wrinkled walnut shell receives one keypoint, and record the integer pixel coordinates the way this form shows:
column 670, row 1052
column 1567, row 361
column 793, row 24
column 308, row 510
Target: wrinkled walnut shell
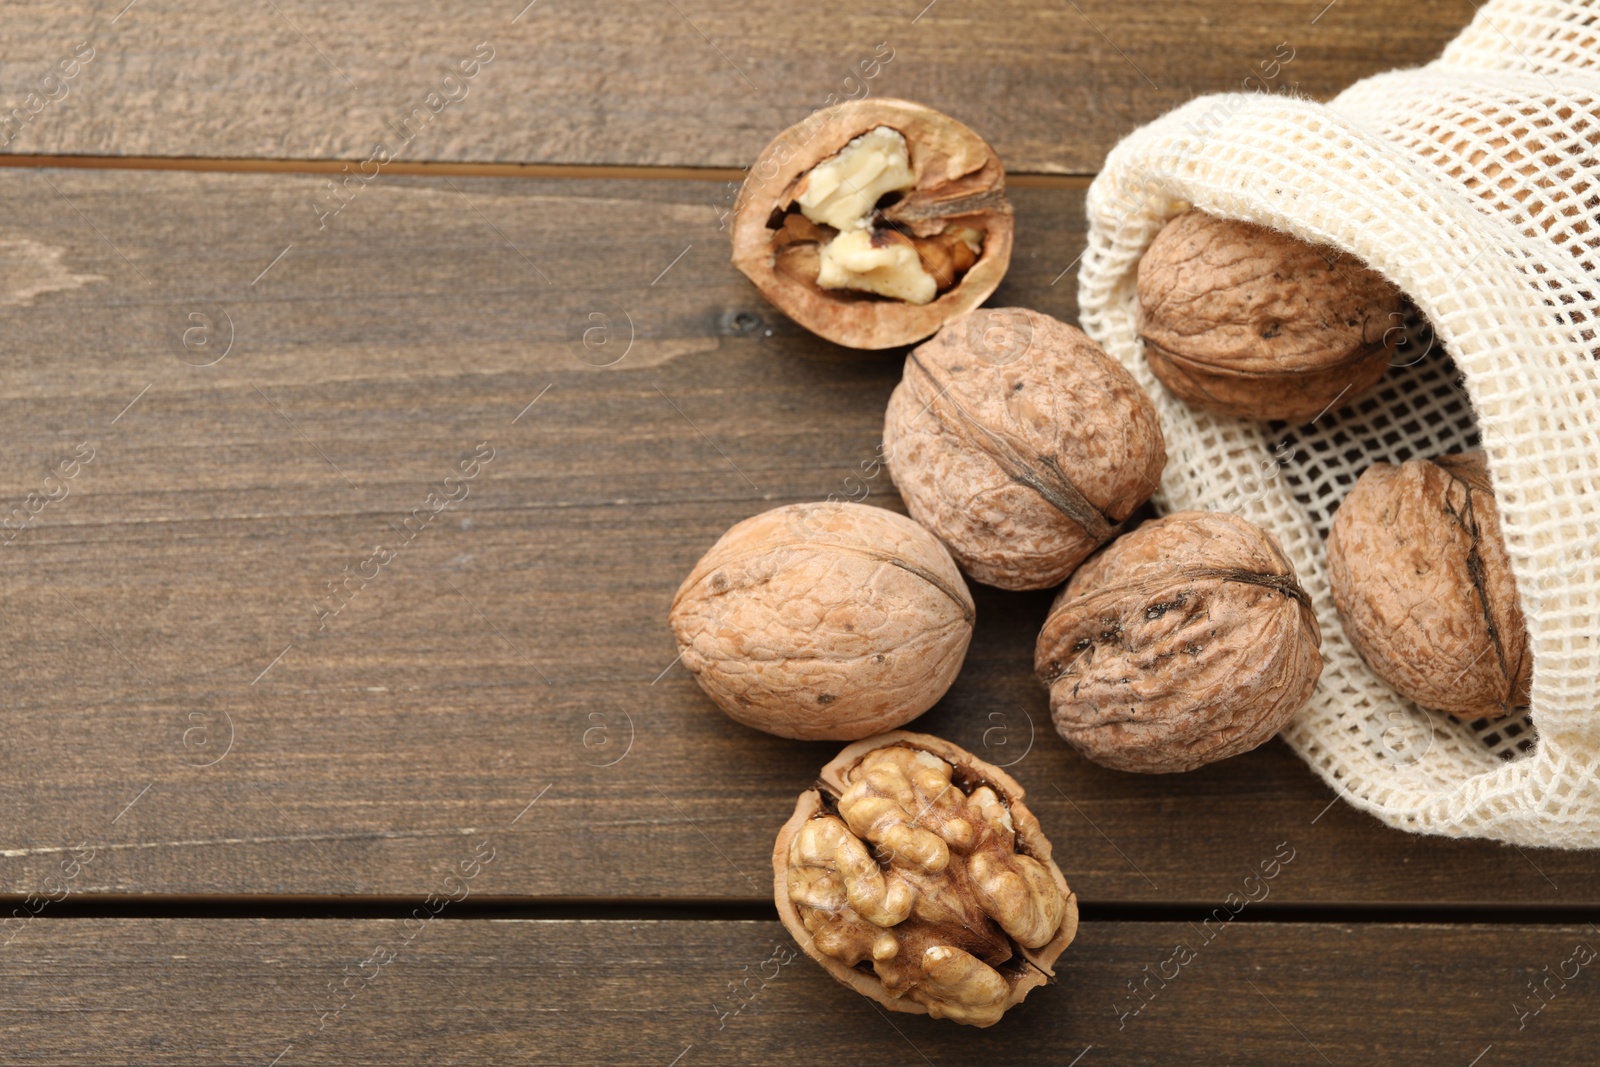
column 1184, row 642
column 867, row 837
column 1424, row 586
column 824, row 621
column 1021, row 444
column 1247, row 321
column 959, row 182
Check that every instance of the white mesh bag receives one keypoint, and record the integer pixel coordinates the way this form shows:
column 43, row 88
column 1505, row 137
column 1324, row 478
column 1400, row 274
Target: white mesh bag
column 1472, row 183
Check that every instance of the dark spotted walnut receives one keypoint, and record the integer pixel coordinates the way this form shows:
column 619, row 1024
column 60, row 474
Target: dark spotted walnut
column 915, row 875
column 1184, row 642
column 1424, row 586
column 872, row 223
column 1021, row 444
column 824, row 621
column 1247, row 321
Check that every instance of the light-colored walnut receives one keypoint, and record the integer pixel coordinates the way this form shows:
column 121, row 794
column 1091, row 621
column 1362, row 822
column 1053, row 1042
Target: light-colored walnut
column 1184, row 642
column 1248, row 321
column 843, row 190
column 916, row 875
column 904, row 223
column 1424, row 586
column 824, row 621
column 1021, row 444
column 884, row 262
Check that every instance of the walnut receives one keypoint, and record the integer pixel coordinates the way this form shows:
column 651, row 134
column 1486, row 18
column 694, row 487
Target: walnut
column 1247, row 321
column 1424, row 586
column 1021, row 444
column 915, row 875
column 874, row 222
column 824, row 621
column 1184, row 642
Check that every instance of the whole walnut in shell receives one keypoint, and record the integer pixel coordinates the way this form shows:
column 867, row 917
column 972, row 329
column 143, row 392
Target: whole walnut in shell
column 915, row 875
column 874, row 222
column 1021, row 444
column 1184, row 642
column 824, row 621
column 1247, row 321
column 1424, row 586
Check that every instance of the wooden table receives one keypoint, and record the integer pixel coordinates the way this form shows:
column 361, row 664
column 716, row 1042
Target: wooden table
column 235, row 823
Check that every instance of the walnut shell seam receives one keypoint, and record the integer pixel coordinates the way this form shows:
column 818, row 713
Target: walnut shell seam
column 968, row 612
column 1474, row 480
column 1053, row 484
column 1286, row 584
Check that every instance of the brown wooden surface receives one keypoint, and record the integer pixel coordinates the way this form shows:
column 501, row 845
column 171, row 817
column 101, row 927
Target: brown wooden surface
column 109, row 992
column 692, row 83
column 519, row 641
column 267, row 397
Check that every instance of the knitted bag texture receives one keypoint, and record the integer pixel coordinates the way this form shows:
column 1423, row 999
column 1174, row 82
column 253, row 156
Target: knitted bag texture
column 1472, row 183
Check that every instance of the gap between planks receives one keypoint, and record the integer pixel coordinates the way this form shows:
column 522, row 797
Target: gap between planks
column 448, row 169
column 268, row 906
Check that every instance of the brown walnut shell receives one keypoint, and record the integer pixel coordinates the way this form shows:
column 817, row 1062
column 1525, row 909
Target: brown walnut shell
column 959, row 183
column 1021, row 444
column 1424, row 586
column 915, row 874
column 1184, row 642
column 1247, row 321
column 824, row 621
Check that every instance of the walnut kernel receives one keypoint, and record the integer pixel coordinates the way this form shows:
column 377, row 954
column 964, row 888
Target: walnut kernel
column 874, row 222
column 915, row 875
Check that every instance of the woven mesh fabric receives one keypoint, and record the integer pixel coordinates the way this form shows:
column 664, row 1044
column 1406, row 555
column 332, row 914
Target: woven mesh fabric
column 1473, row 183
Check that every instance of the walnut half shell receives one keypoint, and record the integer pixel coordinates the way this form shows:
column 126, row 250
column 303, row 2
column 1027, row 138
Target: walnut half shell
column 874, row 222
column 916, row 876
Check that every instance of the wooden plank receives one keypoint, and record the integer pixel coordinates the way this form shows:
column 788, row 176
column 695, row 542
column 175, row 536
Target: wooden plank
column 698, row 83
column 383, row 992
column 174, row 701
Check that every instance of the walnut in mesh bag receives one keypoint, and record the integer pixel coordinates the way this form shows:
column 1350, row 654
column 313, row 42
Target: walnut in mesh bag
column 1424, row 586
column 1246, row 321
column 915, row 875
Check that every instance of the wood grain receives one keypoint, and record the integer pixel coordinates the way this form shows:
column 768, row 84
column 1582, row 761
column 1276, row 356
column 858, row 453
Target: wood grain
column 381, row 992
column 697, row 83
column 174, row 701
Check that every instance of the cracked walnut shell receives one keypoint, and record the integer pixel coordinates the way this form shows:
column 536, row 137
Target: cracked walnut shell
column 874, row 222
column 1021, row 444
column 915, row 875
column 1424, row 586
column 1184, row 642
column 824, row 621
column 1247, row 321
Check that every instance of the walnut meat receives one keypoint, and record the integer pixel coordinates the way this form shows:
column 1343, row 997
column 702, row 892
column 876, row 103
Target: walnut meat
column 915, row 875
column 874, row 222
column 1424, row 586
column 1247, row 321
column 1184, row 642
column 1021, row 444
column 824, row 621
